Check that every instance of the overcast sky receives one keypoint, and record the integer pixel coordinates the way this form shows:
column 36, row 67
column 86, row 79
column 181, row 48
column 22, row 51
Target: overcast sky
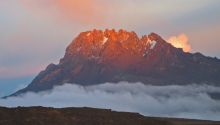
column 34, row 33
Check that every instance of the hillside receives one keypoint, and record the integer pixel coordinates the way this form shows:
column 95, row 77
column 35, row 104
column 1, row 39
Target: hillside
column 84, row 116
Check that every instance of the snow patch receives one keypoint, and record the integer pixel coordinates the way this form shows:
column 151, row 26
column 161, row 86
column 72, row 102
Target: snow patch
column 105, row 39
column 88, row 34
column 145, row 53
column 153, row 44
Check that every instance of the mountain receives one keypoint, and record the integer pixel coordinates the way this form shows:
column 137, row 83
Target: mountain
column 85, row 116
column 96, row 57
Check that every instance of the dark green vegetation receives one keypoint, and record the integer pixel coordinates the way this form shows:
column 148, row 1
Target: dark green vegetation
column 84, row 116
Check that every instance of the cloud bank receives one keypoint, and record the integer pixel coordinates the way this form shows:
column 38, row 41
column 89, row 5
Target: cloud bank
column 191, row 101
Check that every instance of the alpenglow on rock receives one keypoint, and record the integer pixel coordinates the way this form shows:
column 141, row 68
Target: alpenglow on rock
column 96, row 57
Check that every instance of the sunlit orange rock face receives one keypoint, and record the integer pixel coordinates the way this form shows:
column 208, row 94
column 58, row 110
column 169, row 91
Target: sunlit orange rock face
column 97, row 56
column 119, row 49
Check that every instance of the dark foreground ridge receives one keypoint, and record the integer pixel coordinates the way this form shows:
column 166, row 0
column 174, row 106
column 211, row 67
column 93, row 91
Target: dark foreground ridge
column 85, row 116
column 96, row 57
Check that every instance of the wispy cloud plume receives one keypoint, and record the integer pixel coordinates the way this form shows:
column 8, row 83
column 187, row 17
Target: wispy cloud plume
column 180, row 41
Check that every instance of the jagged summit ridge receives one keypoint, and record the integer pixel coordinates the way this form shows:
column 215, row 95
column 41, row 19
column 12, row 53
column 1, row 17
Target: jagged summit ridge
column 98, row 43
column 99, row 39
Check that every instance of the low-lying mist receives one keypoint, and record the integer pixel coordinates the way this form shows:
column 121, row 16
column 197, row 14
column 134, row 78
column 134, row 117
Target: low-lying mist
column 189, row 101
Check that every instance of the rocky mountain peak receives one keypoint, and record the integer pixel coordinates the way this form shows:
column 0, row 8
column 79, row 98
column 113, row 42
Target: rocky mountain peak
column 97, row 56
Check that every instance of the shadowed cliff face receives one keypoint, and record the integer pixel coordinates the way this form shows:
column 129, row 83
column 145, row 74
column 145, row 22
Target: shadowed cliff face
column 95, row 57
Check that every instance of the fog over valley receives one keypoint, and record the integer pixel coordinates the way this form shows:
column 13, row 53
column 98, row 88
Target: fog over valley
column 189, row 101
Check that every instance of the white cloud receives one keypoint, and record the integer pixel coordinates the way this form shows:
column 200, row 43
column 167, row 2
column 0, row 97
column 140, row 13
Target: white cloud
column 191, row 101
